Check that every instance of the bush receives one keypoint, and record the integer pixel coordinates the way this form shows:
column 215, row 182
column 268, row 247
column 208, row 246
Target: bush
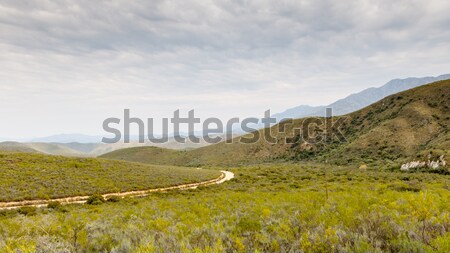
column 401, row 187
column 7, row 213
column 113, row 199
column 54, row 205
column 249, row 225
column 95, row 199
column 27, row 210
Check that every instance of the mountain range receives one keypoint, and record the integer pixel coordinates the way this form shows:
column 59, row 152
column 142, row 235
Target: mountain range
column 359, row 100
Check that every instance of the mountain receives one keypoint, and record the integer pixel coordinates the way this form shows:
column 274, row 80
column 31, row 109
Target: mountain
column 361, row 99
column 69, row 138
column 397, row 128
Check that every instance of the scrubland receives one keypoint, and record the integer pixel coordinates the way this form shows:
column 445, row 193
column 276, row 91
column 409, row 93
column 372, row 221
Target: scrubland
column 268, row 208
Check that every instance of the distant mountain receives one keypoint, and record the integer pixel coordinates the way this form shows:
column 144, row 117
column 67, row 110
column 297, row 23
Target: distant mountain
column 361, row 99
column 69, row 138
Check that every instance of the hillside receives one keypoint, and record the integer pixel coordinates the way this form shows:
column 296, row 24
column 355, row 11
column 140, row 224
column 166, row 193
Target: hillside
column 16, row 147
column 396, row 128
column 25, row 176
column 150, row 155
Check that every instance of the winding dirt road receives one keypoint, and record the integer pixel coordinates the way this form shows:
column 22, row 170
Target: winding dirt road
column 225, row 176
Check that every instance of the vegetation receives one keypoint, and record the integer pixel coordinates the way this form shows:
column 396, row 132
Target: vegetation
column 389, row 132
column 36, row 176
column 95, row 199
column 266, row 208
column 54, row 205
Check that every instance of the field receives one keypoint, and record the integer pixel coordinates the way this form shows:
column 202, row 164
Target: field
column 284, row 207
column 35, row 176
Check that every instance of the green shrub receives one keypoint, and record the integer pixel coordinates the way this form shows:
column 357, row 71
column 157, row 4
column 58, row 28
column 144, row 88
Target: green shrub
column 95, row 199
column 405, row 187
column 27, row 210
column 113, row 199
column 249, row 225
column 54, row 205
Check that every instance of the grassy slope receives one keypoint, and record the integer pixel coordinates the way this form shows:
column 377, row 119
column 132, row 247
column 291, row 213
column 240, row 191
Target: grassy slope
column 150, row 155
column 398, row 127
column 36, row 176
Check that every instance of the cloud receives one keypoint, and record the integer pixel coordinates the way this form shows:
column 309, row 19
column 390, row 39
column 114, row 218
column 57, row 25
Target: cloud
column 224, row 58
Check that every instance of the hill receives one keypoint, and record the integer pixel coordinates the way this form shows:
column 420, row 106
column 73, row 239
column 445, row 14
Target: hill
column 16, row 147
column 25, row 176
column 150, row 155
column 399, row 127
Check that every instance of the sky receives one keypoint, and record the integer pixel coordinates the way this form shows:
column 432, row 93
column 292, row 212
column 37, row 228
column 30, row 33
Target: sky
column 66, row 66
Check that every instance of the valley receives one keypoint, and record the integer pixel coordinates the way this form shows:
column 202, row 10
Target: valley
column 287, row 196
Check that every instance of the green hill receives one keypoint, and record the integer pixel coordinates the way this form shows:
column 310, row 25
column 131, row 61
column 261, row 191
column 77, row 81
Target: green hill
column 399, row 127
column 25, row 176
column 151, row 155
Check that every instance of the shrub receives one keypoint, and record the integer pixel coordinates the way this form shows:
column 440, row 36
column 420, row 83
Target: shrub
column 401, row 187
column 27, row 210
column 95, row 199
column 54, row 205
column 249, row 225
column 113, row 199
column 7, row 213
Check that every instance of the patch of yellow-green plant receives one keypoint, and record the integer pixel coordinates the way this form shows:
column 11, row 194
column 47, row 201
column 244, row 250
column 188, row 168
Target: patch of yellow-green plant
column 267, row 208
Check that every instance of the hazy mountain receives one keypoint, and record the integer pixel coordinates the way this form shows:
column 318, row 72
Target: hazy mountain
column 361, row 99
column 69, row 138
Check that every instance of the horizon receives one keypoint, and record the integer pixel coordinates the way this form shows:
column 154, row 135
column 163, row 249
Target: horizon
column 134, row 136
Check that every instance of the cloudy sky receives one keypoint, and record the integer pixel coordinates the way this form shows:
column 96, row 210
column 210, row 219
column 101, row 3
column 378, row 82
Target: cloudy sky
column 65, row 66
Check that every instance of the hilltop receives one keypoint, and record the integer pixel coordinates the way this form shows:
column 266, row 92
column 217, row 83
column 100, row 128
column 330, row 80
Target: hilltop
column 399, row 127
